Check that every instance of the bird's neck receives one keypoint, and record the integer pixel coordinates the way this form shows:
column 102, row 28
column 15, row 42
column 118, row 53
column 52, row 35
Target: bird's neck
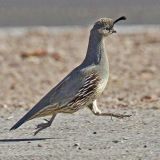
column 95, row 52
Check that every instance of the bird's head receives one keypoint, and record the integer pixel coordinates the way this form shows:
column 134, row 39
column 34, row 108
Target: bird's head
column 105, row 26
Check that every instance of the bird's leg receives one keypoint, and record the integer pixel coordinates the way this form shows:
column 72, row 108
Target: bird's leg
column 96, row 111
column 42, row 126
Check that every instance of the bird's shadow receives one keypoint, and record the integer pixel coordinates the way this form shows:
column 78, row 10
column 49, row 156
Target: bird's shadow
column 23, row 139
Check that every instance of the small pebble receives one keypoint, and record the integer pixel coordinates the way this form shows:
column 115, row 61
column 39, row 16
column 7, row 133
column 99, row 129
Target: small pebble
column 39, row 145
column 5, row 106
column 125, row 138
column 10, row 117
column 120, row 98
column 76, row 145
column 115, row 141
column 145, row 146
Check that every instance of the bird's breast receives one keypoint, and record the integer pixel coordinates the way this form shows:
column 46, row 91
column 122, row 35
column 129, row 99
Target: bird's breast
column 101, row 86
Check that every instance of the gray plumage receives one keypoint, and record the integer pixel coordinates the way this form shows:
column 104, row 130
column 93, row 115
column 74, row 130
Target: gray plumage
column 83, row 85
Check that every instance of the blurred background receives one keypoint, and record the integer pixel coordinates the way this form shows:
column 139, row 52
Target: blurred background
column 76, row 12
column 47, row 36
column 40, row 40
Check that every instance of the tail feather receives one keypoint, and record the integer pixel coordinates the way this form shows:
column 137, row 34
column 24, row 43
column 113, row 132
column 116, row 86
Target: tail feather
column 26, row 117
column 19, row 123
column 31, row 114
column 34, row 112
column 23, row 120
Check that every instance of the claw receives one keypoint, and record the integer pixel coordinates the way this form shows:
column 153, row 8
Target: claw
column 42, row 126
column 37, row 131
column 120, row 116
column 46, row 120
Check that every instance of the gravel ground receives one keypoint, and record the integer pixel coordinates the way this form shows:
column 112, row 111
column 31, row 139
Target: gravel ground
column 85, row 136
column 33, row 60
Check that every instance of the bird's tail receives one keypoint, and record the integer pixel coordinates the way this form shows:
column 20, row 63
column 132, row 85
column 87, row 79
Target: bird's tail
column 37, row 111
column 28, row 116
column 19, row 123
column 22, row 120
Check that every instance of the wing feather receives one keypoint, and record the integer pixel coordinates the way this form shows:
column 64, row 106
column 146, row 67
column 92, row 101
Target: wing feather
column 58, row 96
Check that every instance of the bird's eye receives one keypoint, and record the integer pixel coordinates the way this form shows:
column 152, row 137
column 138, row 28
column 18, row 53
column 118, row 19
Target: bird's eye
column 107, row 27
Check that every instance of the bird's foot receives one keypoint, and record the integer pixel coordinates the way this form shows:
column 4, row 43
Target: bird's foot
column 42, row 126
column 120, row 116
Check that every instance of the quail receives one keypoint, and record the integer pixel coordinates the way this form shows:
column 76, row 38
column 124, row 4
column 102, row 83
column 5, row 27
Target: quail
column 83, row 85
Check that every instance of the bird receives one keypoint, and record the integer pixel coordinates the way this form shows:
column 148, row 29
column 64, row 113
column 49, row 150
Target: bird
column 83, row 85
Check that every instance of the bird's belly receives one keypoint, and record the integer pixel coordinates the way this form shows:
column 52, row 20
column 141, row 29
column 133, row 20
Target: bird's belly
column 101, row 86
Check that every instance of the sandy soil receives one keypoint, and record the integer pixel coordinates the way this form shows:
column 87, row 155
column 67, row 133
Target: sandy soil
column 32, row 61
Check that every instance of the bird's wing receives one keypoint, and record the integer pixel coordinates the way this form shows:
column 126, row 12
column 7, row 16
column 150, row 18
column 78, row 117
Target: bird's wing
column 60, row 95
column 67, row 89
